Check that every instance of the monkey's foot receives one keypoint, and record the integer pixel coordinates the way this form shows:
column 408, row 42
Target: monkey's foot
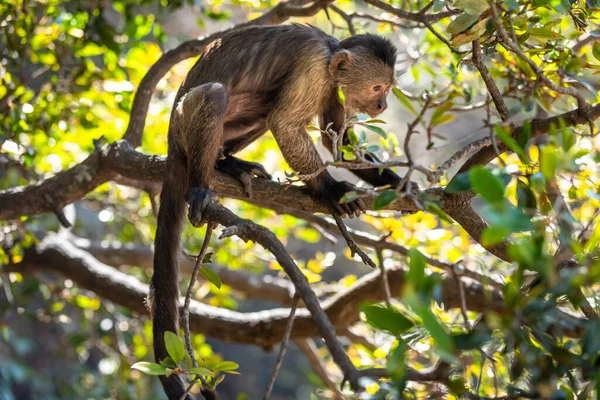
column 243, row 171
column 198, row 199
column 334, row 194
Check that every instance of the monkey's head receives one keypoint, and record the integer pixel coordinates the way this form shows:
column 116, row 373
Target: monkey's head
column 364, row 68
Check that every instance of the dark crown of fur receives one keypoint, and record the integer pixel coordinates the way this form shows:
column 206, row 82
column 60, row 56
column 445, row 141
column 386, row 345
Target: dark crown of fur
column 380, row 47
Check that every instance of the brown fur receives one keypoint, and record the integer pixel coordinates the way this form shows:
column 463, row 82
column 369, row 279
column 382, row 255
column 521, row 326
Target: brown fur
column 244, row 83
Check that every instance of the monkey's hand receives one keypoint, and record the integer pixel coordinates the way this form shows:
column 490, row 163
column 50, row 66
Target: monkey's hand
column 332, row 194
column 243, row 171
column 198, row 199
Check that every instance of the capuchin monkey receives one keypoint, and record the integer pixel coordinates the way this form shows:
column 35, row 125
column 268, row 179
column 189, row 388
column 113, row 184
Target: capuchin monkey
column 249, row 81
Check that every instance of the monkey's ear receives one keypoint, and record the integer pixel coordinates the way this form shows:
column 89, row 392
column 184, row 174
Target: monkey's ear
column 338, row 60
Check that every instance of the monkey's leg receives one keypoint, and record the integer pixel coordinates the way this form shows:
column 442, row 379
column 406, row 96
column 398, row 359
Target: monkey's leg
column 242, row 171
column 201, row 114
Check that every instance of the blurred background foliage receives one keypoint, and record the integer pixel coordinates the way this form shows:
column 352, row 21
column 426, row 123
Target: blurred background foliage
column 68, row 74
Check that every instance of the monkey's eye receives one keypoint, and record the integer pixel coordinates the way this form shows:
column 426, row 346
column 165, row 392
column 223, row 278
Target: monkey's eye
column 377, row 88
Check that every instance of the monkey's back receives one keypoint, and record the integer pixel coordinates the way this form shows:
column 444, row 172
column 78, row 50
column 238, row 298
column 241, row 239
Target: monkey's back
column 259, row 58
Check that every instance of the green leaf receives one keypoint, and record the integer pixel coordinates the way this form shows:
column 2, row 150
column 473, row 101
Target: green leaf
column 404, row 100
column 511, row 144
column 485, row 184
column 436, row 117
column 525, row 197
column 211, row 276
column 472, row 340
column 525, row 135
column 568, row 138
column 207, row 258
column 460, row 183
column 538, row 182
column 352, row 136
column 151, row 368
column 396, row 362
column 461, row 23
column 596, row 50
column 416, row 271
column 384, row 199
column 387, row 319
column 435, row 208
column 443, row 341
column 225, row 366
column 545, row 33
column 377, row 130
column 473, row 7
column 168, row 362
column 341, row 96
column 548, row 161
column 174, row 347
column 200, row 371
column 494, row 234
column 348, row 155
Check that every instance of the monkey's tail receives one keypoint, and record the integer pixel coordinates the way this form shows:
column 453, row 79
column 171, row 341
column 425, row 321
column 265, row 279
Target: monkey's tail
column 164, row 287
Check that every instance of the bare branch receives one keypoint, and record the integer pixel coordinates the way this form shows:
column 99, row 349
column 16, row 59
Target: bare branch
column 354, row 249
column 411, row 16
column 309, row 348
column 264, row 328
column 186, row 309
column 284, row 342
column 439, row 373
column 489, row 81
column 384, row 279
column 248, row 230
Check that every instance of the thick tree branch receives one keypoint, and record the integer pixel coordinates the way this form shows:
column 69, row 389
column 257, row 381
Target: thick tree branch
column 253, row 286
column 264, row 328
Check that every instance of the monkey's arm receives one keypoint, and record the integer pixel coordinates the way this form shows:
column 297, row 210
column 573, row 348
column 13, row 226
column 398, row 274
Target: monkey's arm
column 334, row 114
column 300, row 153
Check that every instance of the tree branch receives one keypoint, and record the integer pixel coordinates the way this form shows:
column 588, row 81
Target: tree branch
column 264, row 328
column 539, row 126
column 411, row 16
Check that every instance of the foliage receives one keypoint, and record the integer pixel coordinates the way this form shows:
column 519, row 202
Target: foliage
column 179, row 362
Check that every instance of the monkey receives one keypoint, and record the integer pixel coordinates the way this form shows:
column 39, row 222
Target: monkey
column 245, row 83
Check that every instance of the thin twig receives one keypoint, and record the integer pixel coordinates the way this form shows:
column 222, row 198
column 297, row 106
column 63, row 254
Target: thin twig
column 384, row 278
column 345, row 17
column 508, row 43
column 310, row 350
column 283, row 348
column 478, row 62
column 186, row 307
column 476, row 145
column 463, row 301
column 354, row 249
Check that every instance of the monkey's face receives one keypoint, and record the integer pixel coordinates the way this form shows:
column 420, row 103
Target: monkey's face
column 366, row 82
column 370, row 99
